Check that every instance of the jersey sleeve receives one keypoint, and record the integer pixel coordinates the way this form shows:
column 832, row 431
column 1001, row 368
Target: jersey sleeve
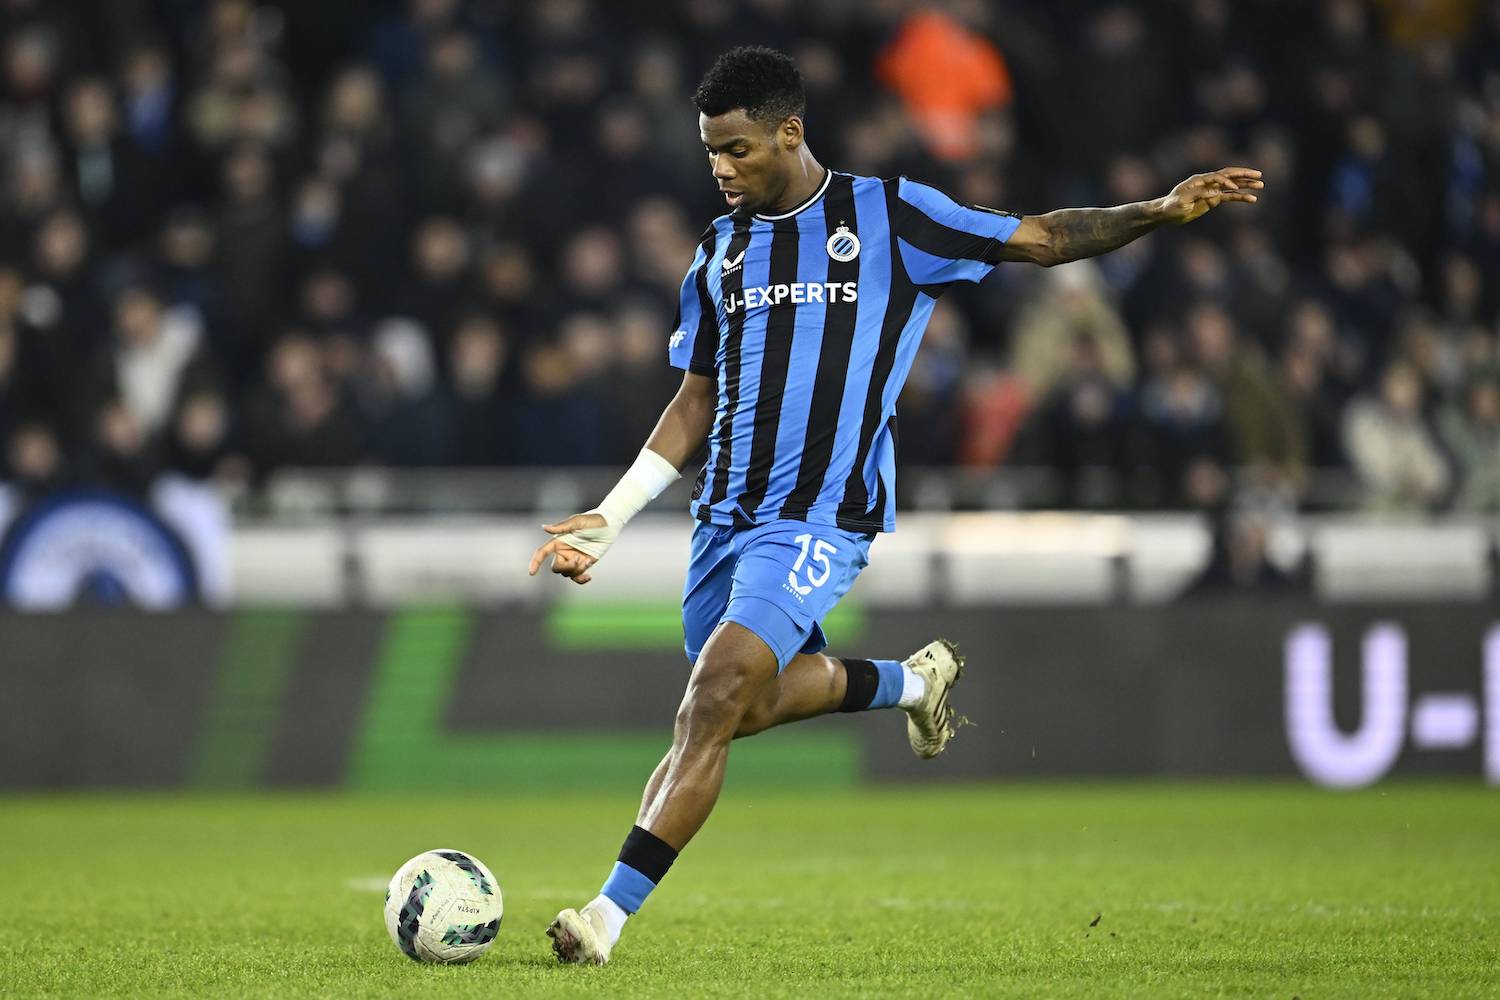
column 695, row 334
column 943, row 240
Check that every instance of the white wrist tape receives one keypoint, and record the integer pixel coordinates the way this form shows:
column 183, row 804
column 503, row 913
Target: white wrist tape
column 642, row 483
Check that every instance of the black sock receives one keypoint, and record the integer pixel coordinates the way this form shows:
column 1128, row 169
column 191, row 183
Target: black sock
column 647, row 853
column 860, row 687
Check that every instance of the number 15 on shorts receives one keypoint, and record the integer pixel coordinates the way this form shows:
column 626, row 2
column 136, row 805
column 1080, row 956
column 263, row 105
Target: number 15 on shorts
column 818, row 567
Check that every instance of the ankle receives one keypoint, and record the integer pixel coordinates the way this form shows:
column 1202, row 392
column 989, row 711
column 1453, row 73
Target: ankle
column 913, row 688
column 613, row 914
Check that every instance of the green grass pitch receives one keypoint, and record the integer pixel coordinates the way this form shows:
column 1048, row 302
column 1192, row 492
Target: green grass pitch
column 1026, row 890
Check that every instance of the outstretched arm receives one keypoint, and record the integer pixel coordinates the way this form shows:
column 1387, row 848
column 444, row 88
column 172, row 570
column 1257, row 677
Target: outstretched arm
column 579, row 541
column 1074, row 233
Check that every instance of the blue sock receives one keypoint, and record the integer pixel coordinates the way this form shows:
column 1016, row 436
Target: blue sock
column 888, row 693
column 644, row 860
column 871, row 684
column 627, row 887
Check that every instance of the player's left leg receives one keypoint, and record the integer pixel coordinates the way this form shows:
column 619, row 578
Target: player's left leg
column 814, row 684
column 800, row 571
column 811, row 685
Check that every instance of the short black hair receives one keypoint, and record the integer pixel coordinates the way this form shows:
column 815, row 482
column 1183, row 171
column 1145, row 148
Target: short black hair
column 763, row 81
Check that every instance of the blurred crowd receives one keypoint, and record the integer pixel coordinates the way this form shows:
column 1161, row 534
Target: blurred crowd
column 239, row 236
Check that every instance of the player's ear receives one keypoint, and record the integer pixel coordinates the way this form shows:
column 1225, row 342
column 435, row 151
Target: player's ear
column 790, row 133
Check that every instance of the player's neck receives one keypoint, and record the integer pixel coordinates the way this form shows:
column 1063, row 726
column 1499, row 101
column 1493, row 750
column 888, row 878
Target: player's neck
column 807, row 177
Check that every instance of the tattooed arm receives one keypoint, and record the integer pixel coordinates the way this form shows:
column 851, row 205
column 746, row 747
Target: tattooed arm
column 1074, row 233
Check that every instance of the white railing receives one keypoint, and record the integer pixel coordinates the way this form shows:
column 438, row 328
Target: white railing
column 951, row 560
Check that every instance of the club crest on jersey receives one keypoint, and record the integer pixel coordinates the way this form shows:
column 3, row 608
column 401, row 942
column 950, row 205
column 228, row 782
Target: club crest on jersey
column 843, row 246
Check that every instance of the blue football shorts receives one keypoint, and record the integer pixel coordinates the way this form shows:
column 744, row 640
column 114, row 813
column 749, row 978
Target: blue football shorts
column 779, row 580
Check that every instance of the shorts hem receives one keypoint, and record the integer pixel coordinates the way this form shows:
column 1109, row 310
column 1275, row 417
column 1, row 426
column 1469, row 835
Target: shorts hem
column 784, row 643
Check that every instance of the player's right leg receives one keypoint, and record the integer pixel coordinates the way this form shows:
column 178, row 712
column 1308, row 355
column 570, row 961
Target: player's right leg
column 727, row 678
column 588, row 934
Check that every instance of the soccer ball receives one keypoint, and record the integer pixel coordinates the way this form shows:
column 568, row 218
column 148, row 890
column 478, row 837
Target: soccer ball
column 443, row 906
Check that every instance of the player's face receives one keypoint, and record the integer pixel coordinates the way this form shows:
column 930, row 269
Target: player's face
column 749, row 159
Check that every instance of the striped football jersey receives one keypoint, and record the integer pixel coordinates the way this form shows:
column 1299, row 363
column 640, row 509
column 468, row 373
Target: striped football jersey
column 809, row 322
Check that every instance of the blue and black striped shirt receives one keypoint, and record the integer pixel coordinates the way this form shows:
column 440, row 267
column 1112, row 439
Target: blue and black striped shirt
column 809, row 321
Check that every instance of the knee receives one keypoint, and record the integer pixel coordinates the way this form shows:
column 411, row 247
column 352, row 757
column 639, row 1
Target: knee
column 709, row 710
column 716, row 703
column 760, row 716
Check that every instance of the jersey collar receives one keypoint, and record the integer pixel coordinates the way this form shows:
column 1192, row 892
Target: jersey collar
column 811, row 200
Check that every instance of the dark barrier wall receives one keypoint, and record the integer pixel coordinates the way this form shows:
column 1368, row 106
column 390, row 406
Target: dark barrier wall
column 450, row 697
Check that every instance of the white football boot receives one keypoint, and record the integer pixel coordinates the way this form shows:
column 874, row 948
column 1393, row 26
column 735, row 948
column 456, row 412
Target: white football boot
column 927, row 722
column 579, row 937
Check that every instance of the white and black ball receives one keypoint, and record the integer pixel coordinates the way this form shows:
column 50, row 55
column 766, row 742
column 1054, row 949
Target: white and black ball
column 443, row 906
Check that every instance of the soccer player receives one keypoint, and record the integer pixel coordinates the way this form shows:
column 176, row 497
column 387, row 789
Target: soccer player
column 797, row 326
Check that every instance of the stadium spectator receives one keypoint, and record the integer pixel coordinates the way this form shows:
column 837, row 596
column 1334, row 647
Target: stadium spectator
column 1314, row 404
column 1268, row 439
column 478, row 404
column 22, row 380
column 111, row 177
column 439, row 290
column 399, row 396
column 242, row 103
column 34, row 462
column 1240, row 561
column 660, row 239
column 298, row 416
column 929, row 404
column 947, row 76
column 149, row 95
column 994, row 404
column 34, row 189
column 319, row 236
column 329, row 305
column 592, row 267
column 496, row 171
column 557, row 416
column 639, row 385
column 397, row 39
column 200, row 442
column 1471, row 431
column 1259, row 298
column 64, row 302
column 1182, row 446
column 357, row 153
column 1391, row 446
column 1082, row 431
column 511, row 289
column 251, row 241
column 155, row 356
column 121, row 455
column 1070, row 306
column 186, row 274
